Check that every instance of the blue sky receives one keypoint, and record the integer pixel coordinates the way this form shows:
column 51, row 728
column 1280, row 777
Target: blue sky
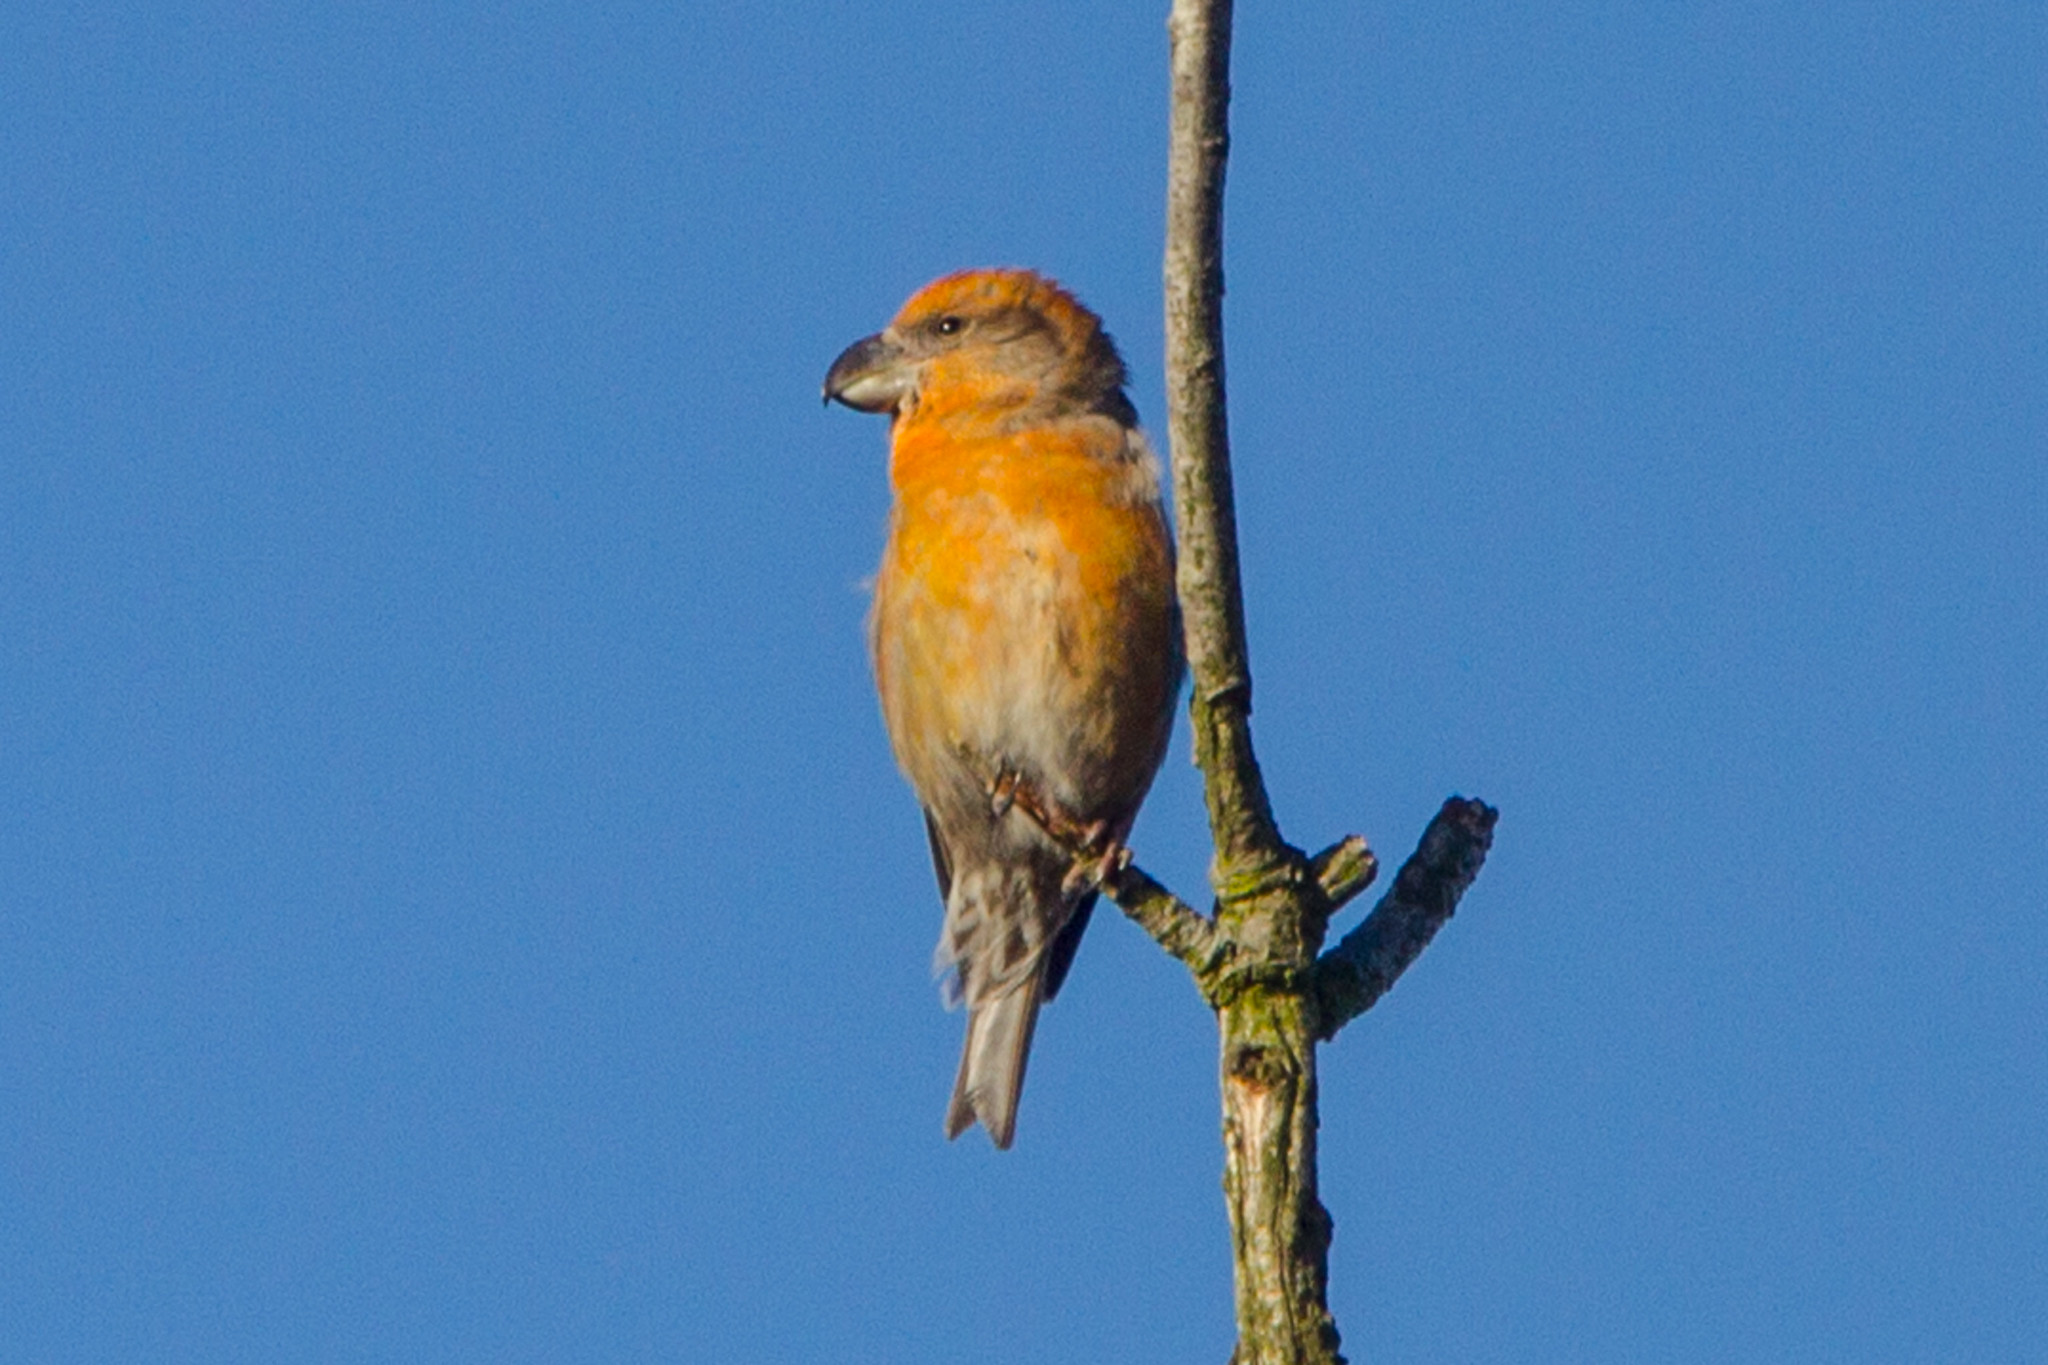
column 455, row 900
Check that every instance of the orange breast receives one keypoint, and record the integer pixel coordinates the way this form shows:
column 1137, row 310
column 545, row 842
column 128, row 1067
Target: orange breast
column 1024, row 603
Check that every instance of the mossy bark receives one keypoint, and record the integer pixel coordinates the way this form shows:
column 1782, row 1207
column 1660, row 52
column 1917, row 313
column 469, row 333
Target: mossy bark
column 1280, row 1232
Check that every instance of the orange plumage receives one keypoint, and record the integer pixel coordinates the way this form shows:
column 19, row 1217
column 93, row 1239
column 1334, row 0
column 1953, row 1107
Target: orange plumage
column 1024, row 629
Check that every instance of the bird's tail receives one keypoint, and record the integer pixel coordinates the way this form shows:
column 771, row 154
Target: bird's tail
column 992, row 1062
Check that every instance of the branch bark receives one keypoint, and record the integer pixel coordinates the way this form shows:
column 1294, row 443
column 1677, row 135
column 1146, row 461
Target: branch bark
column 1256, row 960
column 1271, row 910
column 1351, row 977
column 1173, row 924
column 1211, row 598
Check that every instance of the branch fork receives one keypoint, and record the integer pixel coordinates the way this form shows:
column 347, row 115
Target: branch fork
column 1346, row 980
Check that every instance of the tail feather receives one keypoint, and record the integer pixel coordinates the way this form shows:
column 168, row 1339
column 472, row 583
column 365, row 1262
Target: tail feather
column 992, row 1063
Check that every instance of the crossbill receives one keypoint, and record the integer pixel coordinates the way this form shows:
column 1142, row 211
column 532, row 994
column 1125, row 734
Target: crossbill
column 1025, row 635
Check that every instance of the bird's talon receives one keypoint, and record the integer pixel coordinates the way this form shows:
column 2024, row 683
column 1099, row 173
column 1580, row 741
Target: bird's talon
column 1115, row 859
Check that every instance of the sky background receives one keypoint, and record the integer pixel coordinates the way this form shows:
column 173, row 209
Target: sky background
column 456, row 903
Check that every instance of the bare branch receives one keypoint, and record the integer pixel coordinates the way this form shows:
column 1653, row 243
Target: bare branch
column 1173, row 924
column 1266, row 910
column 1351, row 977
column 1211, row 598
column 1344, row 869
column 1256, row 961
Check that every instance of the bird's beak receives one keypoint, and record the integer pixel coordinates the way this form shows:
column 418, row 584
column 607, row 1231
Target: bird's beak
column 872, row 375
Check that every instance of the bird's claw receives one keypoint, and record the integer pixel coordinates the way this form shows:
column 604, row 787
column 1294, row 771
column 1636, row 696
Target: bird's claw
column 1100, row 859
column 1098, row 854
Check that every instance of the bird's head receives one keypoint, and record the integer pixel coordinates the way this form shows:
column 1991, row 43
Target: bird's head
column 999, row 346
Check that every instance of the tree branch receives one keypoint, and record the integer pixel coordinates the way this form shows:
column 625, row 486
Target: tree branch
column 1211, row 599
column 1344, row 869
column 1351, row 977
column 1173, row 924
column 1270, row 911
column 1256, row 961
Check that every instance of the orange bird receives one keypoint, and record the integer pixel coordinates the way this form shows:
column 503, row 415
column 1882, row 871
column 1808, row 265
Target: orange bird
column 1025, row 635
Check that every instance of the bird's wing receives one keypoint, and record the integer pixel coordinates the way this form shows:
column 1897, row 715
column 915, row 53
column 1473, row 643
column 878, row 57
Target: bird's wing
column 942, row 862
column 1060, row 955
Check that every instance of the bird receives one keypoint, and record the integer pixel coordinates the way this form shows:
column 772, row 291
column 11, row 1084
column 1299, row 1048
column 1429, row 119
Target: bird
column 1024, row 633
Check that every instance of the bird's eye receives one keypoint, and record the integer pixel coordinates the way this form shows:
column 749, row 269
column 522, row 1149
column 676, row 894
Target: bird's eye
column 948, row 326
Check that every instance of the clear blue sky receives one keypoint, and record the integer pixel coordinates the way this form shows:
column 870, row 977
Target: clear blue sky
column 455, row 900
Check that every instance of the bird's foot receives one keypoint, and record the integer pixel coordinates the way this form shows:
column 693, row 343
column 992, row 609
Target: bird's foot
column 1100, row 858
column 1097, row 851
